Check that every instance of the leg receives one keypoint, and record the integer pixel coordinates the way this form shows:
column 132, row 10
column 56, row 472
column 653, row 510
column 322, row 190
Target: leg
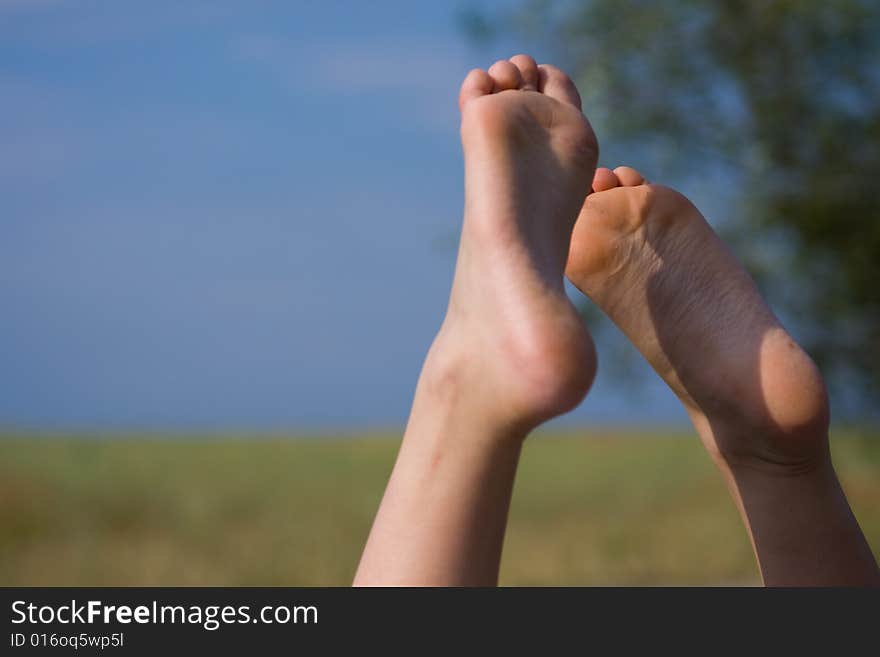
column 647, row 257
column 512, row 351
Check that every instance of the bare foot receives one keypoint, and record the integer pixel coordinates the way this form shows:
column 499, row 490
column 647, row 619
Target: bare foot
column 512, row 351
column 529, row 156
column 647, row 257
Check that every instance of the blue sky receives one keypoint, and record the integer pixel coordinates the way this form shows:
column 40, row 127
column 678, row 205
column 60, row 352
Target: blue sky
column 232, row 215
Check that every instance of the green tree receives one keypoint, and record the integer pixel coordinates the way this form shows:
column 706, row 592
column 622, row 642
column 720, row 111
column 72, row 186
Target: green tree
column 779, row 100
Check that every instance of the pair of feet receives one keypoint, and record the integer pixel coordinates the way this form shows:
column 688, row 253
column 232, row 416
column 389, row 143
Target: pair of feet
column 536, row 210
column 512, row 351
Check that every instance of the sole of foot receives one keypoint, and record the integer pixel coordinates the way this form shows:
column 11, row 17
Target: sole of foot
column 647, row 257
column 510, row 329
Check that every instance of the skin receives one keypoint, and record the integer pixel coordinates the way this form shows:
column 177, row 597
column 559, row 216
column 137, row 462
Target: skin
column 512, row 351
column 648, row 258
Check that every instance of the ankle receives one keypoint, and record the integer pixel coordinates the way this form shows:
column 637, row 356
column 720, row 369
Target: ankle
column 452, row 402
column 517, row 379
column 782, row 422
column 551, row 367
column 801, row 453
column 757, row 441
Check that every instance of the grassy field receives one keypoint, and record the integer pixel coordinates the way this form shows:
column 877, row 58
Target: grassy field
column 611, row 508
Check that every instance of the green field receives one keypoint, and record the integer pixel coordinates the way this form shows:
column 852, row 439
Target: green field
column 596, row 508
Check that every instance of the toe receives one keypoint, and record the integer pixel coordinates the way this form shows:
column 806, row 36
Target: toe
column 477, row 83
column 558, row 85
column 629, row 177
column 605, row 179
column 528, row 70
column 506, row 75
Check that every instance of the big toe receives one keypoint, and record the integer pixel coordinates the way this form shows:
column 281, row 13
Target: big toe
column 556, row 84
column 629, row 177
column 605, row 179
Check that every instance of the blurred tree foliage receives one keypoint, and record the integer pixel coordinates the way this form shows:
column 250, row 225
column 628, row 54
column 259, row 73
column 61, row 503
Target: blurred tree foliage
column 783, row 96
